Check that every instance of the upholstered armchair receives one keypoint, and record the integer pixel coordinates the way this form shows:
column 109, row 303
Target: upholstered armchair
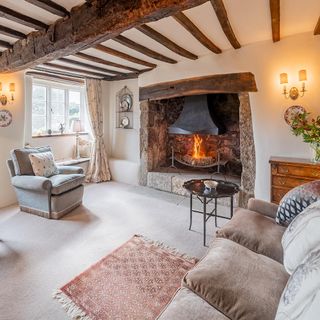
column 50, row 197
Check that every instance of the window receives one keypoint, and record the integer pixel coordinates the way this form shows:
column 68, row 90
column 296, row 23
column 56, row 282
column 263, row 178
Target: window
column 54, row 105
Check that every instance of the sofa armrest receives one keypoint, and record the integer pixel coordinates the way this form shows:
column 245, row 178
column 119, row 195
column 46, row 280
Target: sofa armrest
column 266, row 208
column 70, row 170
column 34, row 183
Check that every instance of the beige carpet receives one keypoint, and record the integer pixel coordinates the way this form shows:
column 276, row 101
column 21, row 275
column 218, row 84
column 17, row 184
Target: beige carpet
column 39, row 255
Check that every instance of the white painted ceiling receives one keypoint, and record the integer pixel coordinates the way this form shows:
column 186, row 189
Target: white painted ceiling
column 250, row 20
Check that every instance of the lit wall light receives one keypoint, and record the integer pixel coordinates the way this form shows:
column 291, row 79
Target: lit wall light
column 294, row 92
column 3, row 97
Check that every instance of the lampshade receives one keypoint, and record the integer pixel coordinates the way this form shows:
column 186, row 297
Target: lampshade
column 12, row 87
column 76, row 126
column 283, row 78
column 0, row 86
column 302, row 75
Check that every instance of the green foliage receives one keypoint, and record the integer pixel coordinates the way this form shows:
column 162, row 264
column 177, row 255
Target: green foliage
column 308, row 129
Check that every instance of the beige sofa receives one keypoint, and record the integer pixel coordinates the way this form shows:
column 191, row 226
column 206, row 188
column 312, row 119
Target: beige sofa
column 241, row 276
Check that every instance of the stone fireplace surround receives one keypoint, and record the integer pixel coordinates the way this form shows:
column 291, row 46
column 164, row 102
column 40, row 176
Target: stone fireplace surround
column 151, row 152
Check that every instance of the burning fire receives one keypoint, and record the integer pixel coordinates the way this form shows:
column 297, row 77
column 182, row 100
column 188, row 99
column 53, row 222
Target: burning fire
column 198, row 152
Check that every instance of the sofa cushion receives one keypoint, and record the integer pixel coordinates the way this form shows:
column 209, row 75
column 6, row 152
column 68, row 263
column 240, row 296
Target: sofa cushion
column 43, row 164
column 301, row 237
column 21, row 161
column 296, row 200
column 186, row 305
column 236, row 281
column 256, row 232
column 301, row 297
column 65, row 182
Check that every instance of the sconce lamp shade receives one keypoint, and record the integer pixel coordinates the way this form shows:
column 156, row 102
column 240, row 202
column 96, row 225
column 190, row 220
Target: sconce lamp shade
column 0, row 86
column 12, row 87
column 76, row 126
column 302, row 75
column 283, row 78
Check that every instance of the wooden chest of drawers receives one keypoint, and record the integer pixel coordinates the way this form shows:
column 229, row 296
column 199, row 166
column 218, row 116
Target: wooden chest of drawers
column 287, row 173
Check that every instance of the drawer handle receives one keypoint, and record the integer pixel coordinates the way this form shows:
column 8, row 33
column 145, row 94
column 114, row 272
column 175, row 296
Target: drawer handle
column 285, row 170
column 282, row 182
column 316, row 173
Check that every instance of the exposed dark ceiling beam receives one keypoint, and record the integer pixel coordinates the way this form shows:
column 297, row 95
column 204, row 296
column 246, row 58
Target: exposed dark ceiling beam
column 15, row 16
column 196, row 32
column 275, row 19
column 317, row 28
column 87, row 25
column 142, row 49
column 222, row 16
column 50, row 6
column 86, row 65
column 5, row 44
column 11, row 33
column 157, row 36
column 48, row 76
column 105, row 62
column 124, row 56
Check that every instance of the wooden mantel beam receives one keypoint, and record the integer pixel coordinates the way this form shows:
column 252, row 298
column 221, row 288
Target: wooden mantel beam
column 275, row 19
column 87, row 25
column 218, row 83
column 317, row 28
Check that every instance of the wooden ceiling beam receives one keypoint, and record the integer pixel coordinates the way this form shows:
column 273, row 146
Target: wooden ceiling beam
column 90, row 66
column 87, row 25
column 317, row 28
column 196, row 32
column 15, row 16
column 275, row 19
column 105, row 62
column 5, row 44
column 124, row 56
column 11, row 33
column 50, row 6
column 157, row 36
column 142, row 49
column 48, row 76
column 222, row 16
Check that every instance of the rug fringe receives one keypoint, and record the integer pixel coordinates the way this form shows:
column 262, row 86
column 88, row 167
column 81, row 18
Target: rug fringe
column 172, row 250
column 70, row 307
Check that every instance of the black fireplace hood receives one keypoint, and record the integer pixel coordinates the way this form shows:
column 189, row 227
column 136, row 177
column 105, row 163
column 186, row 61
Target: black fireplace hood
column 195, row 118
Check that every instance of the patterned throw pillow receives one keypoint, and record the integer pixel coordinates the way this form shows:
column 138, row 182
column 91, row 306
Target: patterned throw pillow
column 43, row 164
column 296, row 200
column 301, row 237
column 301, row 296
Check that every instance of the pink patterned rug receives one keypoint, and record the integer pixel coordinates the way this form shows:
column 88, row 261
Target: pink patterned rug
column 136, row 281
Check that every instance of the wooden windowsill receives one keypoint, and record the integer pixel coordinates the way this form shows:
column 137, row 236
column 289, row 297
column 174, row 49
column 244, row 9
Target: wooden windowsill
column 54, row 135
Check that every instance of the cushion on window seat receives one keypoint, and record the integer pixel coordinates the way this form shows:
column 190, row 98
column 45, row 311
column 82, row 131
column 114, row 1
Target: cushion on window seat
column 65, row 182
column 256, row 232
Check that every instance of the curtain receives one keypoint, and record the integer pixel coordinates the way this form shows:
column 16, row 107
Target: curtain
column 98, row 168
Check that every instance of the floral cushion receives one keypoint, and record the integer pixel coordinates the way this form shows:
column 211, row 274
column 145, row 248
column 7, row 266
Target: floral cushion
column 301, row 237
column 43, row 164
column 296, row 200
column 300, row 299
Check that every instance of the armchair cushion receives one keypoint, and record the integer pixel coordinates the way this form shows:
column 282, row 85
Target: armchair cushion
column 70, row 170
column 33, row 183
column 43, row 164
column 65, row 182
column 266, row 208
column 255, row 232
column 21, row 161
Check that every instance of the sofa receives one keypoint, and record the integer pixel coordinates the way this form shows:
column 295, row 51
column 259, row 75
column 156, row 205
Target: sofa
column 242, row 275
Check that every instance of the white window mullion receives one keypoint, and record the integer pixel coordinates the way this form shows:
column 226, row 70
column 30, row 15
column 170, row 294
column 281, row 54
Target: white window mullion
column 66, row 109
column 48, row 108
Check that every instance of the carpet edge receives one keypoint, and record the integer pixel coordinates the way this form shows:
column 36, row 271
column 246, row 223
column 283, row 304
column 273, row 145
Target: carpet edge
column 69, row 306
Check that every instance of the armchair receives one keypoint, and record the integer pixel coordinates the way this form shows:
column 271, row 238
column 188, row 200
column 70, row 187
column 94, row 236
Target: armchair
column 50, row 197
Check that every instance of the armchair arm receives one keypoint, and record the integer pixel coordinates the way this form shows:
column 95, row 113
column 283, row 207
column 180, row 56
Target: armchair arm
column 34, row 183
column 70, row 170
column 266, row 208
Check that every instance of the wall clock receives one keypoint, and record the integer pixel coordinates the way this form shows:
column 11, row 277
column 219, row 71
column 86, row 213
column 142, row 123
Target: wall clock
column 5, row 118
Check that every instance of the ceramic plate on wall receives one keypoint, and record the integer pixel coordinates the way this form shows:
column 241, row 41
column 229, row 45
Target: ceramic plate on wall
column 126, row 102
column 124, row 122
column 5, row 118
column 292, row 112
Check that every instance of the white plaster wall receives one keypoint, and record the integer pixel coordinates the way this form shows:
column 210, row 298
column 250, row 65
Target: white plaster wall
column 12, row 136
column 123, row 145
column 266, row 60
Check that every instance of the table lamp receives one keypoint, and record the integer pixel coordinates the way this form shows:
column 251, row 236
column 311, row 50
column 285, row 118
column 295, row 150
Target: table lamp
column 76, row 127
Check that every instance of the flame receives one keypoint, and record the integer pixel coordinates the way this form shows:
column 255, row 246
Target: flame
column 198, row 152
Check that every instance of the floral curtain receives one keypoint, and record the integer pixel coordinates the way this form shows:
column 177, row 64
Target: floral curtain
column 98, row 169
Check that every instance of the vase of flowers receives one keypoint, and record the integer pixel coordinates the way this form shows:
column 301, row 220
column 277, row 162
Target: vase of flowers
column 309, row 129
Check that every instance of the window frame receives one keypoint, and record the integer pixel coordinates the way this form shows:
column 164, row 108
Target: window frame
column 48, row 85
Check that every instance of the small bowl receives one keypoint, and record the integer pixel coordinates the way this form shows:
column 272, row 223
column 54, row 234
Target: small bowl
column 210, row 184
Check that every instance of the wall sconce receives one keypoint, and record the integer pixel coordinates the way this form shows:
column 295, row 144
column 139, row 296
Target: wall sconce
column 294, row 92
column 3, row 97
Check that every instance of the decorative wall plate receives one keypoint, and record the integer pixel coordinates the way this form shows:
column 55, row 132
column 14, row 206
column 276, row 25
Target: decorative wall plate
column 126, row 102
column 124, row 122
column 291, row 112
column 5, row 118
